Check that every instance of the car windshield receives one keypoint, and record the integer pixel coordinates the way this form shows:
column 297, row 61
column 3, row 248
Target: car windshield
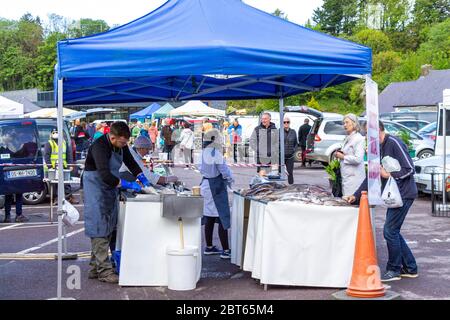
column 395, row 129
column 429, row 128
column 17, row 142
column 45, row 132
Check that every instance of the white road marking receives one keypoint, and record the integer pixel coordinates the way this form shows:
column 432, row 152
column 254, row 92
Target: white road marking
column 45, row 223
column 49, row 242
column 45, row 207
column 41, row 226
column 11, row 226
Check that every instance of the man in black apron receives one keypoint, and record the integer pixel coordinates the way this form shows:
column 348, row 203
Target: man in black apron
column 101, row 185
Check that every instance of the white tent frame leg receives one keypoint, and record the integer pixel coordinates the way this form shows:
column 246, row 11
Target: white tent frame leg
column 61, row 198
column 282, row 164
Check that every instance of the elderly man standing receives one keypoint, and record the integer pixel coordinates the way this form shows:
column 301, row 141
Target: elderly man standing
column 265, row 142
column 290, row 145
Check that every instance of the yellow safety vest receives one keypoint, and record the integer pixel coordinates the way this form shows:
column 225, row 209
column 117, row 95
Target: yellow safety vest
column 54, row 155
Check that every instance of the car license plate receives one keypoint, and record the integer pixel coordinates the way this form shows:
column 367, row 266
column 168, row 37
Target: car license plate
column 22, row 173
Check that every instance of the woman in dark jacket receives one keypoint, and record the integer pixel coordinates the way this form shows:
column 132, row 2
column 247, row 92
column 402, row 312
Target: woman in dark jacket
column 290, row 145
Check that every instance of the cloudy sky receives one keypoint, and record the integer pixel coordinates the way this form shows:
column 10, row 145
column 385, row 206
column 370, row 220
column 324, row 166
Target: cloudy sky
column 119, row 12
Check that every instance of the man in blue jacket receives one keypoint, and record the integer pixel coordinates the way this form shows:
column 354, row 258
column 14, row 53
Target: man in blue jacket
column 401, row 261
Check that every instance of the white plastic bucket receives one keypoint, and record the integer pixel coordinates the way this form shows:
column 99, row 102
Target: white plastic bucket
column 164, row 156
column 182, row 268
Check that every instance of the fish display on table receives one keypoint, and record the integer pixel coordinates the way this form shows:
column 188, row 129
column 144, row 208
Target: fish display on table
column 304, row 193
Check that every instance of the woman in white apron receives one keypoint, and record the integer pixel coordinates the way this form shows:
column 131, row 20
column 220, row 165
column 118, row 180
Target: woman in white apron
column 216, row 177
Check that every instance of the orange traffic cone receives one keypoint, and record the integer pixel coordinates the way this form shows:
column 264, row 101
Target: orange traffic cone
column 366, row 281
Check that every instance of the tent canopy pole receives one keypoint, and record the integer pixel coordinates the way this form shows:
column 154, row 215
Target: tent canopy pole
column 60, row 183
column 282, row 164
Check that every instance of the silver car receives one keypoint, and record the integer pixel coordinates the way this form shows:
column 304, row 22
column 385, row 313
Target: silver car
column 328, row 134
column 424, row 169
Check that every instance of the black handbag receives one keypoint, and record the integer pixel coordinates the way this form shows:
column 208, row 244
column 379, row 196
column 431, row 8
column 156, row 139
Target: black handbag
column 336, row 189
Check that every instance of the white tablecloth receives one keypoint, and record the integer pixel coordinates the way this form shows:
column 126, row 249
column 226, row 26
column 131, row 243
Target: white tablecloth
column 237, row 229
column 303, row 245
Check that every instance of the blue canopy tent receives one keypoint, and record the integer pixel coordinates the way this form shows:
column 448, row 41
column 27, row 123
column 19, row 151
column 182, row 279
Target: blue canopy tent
column 145, row 113
column 203, row 50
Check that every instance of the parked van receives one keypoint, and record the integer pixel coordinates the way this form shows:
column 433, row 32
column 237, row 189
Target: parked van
column 21, row 160
column 439, row 149
column 45, row 127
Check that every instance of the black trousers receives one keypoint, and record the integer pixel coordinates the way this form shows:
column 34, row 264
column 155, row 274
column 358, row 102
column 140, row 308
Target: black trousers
column 209, row 228
column 235, row 151
column 289, row 162
column 168, row 149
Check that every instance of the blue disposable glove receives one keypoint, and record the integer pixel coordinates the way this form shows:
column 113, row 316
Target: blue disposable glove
column 143, row 179
column 124, row 184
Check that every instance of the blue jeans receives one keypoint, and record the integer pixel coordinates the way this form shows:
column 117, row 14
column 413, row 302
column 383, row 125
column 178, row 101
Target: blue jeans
column 9, row 199
column 399, row 252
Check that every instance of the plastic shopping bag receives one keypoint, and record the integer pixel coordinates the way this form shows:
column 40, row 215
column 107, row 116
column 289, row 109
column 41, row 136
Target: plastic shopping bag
column 391, row 195
column 390, row 164
column 71, row 215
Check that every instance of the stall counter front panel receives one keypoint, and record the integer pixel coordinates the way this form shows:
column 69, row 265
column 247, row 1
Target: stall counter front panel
column 296, row 244
column 143, row 238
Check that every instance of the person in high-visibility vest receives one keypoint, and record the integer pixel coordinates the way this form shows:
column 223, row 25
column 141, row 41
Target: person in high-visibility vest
column 51, row 160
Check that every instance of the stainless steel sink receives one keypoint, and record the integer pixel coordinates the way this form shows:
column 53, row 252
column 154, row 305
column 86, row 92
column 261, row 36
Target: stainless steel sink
column 181, row 206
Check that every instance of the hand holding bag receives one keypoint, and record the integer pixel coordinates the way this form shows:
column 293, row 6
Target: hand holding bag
column 391, row 195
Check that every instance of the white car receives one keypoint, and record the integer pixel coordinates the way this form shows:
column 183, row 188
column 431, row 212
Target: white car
column 327, row 135
column 424, row 169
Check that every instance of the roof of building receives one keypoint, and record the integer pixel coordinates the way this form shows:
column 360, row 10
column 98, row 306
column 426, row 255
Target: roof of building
column 425, row 91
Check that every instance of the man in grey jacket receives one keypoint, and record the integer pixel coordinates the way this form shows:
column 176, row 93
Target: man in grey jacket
column 265, row 142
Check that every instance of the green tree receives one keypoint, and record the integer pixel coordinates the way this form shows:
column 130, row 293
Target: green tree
column 280, row 14
column 312, row 103
column 393, row 15
column 374, row 39
column 337, row 16
column 428, row 12
column 57, row 24
column 87, row 27
column 46, row 61
column 29, row 34
column 436, row 50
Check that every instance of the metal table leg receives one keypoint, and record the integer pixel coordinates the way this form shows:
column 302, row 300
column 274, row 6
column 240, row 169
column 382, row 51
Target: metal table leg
column 64, row 239
column 51, row 202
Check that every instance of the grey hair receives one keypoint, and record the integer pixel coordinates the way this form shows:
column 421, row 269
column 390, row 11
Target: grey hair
column 266, row 113
column 353, row 118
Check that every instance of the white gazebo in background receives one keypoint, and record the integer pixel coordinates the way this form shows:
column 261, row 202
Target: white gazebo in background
column 10, row 108
column 196, row 108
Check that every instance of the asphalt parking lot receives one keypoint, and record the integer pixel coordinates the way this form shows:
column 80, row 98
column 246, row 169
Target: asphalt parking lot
column 428, row 237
